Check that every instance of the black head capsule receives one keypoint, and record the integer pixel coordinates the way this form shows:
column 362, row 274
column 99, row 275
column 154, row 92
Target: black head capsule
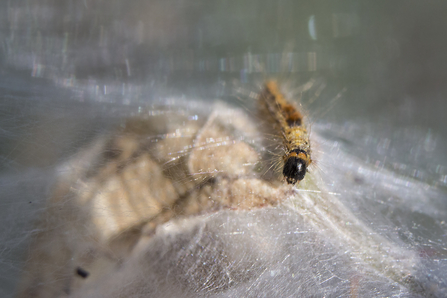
column 294, row 169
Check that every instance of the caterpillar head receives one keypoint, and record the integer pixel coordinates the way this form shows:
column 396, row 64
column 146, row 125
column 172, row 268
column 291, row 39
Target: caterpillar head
column 295, row 166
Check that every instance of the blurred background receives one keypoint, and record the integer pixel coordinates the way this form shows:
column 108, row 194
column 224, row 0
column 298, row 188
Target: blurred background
column 70, row 69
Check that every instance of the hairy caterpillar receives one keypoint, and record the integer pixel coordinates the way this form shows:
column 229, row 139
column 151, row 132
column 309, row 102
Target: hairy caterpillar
column 289, row 122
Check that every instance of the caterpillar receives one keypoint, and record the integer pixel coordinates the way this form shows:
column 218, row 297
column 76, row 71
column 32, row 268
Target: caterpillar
column 289, row 122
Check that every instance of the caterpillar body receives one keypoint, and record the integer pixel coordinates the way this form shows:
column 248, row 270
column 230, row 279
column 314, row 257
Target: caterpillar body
column 290, row 125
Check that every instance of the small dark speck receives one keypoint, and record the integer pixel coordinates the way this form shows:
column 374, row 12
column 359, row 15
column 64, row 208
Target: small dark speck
column 82, row 273
column 358, row 180
column 29, row 202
